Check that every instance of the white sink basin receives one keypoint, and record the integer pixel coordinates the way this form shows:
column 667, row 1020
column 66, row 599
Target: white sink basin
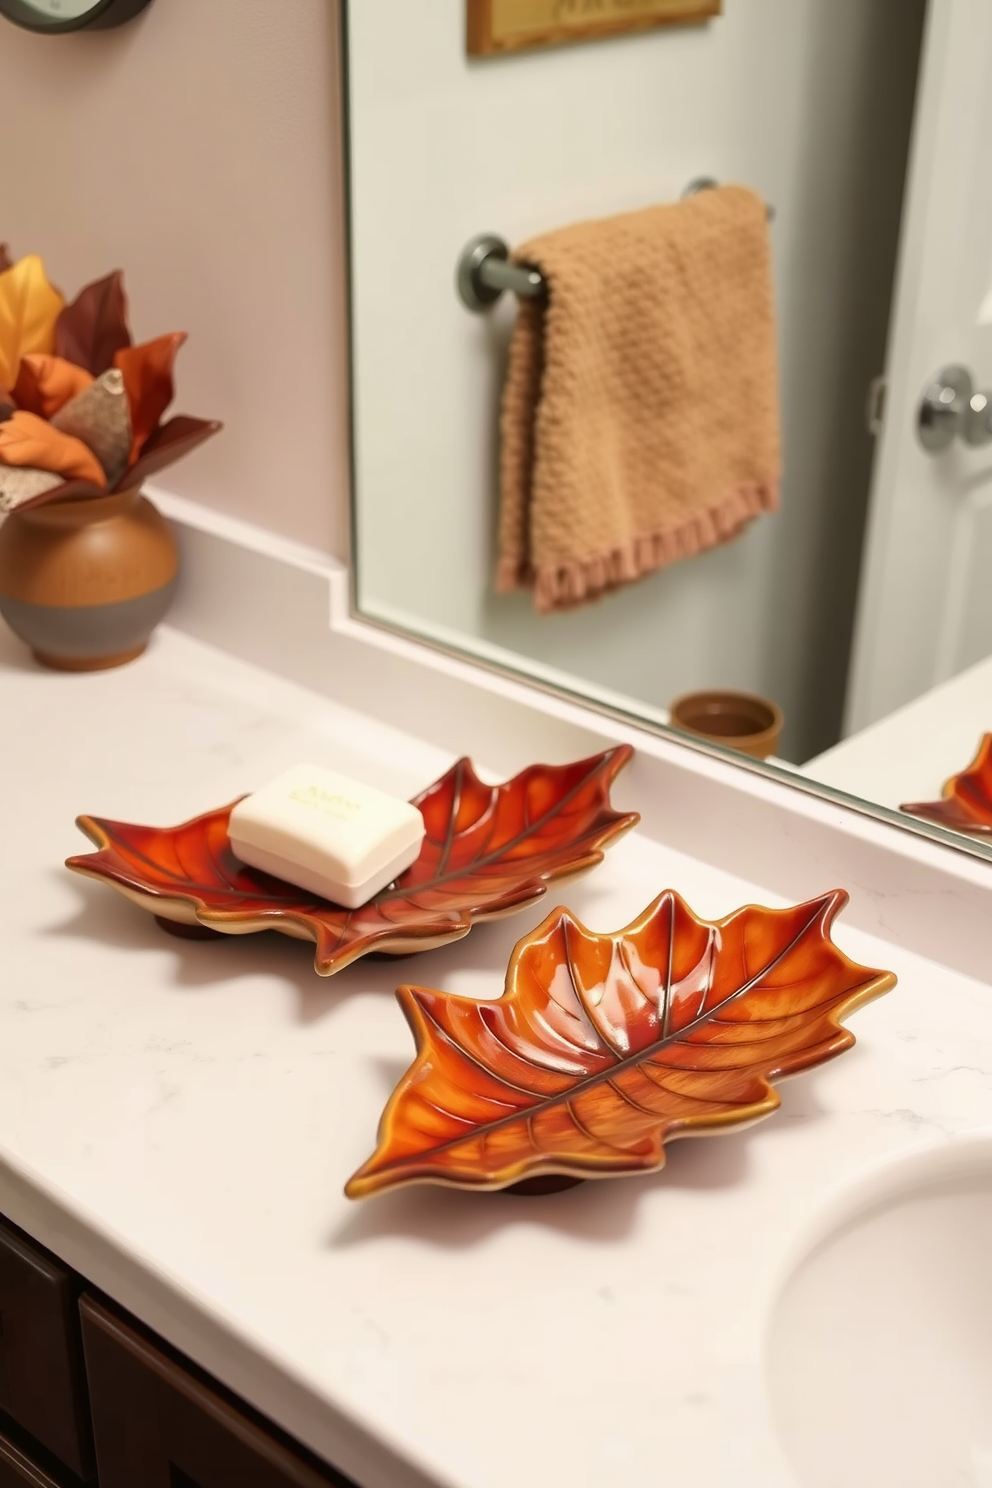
column 879, row 1354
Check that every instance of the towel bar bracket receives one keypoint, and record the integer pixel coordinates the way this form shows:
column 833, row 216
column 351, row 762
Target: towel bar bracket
column 485, row 271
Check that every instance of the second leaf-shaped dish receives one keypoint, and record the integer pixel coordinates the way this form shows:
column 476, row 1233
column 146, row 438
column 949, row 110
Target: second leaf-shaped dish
column 966, row 805
column 489, row 850
column 603, row 1047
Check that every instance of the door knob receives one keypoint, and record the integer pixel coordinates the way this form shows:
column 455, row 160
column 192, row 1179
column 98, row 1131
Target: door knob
column 977, row 427
column 950, row 407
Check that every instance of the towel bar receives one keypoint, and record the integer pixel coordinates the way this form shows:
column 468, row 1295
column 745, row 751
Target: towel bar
column 485, row 271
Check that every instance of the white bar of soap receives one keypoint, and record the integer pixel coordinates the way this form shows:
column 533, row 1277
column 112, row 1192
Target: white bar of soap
column 327, row 833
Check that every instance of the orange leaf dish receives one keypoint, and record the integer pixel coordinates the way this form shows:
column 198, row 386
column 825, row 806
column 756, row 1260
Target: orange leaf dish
column 604, row 1047
column 967, row 799
column 489, row 850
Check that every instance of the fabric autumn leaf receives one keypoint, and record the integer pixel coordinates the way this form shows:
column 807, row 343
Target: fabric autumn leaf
column 93, row 329
column 602, row 1047
column 20, row 486
column 170, row 442
column 147, row 372
column 29, row 308
column 75, row 366
column 46, row 383
column 27, row 440
column 99, row 417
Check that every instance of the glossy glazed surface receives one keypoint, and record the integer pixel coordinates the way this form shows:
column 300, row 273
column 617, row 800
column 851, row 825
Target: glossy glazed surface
column 178, row 1119
column 488, row 850
column 966, row 805
column 603, row 1047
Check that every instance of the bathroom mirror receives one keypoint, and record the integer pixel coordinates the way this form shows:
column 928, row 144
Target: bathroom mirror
column 858, row 608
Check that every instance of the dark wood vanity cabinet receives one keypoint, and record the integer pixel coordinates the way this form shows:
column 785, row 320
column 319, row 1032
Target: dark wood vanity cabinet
column 18, row 1468
column 159, row 1425
column 42, row 1380
column 87, row 1394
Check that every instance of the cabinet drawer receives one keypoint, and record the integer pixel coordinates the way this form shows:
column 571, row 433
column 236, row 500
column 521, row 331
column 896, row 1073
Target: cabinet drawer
column 42, row 1382
column 157, row 1424
column 17, row 1470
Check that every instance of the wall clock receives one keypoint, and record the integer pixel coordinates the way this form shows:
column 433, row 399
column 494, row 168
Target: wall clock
column 70, row 15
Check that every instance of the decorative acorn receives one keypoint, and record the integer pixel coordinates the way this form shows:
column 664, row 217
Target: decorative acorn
column 87, row 564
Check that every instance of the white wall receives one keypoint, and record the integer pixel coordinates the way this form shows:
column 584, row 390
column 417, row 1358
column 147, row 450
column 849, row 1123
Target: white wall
column 808, row 101
column 199, row 149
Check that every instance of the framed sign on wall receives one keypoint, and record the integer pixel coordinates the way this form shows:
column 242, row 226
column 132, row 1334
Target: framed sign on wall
column 497, row 26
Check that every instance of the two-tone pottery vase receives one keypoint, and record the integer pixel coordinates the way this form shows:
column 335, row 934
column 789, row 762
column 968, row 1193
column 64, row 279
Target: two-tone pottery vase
column 84, row 583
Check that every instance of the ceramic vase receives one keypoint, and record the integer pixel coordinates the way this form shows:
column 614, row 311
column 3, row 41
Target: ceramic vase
column 737, row 720
column 84, row 583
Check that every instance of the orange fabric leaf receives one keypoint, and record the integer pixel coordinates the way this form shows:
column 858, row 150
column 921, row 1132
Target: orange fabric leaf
column 147, row 373
column 46, row 383
column 26, row 439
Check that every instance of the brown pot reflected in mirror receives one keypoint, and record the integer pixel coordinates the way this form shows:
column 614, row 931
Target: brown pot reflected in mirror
column 84, row 583
column 737, row 720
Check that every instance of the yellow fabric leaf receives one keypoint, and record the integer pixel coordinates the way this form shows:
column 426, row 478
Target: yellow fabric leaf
column 29, row 308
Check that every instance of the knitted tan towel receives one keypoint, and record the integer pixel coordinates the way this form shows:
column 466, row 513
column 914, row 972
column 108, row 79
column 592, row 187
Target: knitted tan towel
column 640, row 413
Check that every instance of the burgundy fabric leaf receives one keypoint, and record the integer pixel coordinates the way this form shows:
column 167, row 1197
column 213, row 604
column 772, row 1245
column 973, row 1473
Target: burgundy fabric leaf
column 71, row 490
column 93, row 329
column 169, row 443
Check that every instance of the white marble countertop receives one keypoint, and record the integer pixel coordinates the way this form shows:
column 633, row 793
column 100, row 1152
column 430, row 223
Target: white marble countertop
column 177, row 1120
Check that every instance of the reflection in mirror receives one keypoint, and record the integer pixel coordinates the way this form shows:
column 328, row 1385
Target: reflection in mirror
column 568, row 462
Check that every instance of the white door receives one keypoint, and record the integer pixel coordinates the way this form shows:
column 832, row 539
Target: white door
column 925, row 601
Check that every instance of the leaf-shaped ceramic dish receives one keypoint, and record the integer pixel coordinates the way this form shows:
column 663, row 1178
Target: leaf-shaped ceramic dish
column 602, row 1047
column 967, row 799
column 489, row 850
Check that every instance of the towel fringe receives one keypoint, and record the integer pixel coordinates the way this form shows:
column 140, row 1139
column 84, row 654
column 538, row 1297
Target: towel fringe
column 559, row 586
column 513, row 574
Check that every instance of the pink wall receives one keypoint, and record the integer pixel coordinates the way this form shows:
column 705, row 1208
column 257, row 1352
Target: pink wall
column 199, row 149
